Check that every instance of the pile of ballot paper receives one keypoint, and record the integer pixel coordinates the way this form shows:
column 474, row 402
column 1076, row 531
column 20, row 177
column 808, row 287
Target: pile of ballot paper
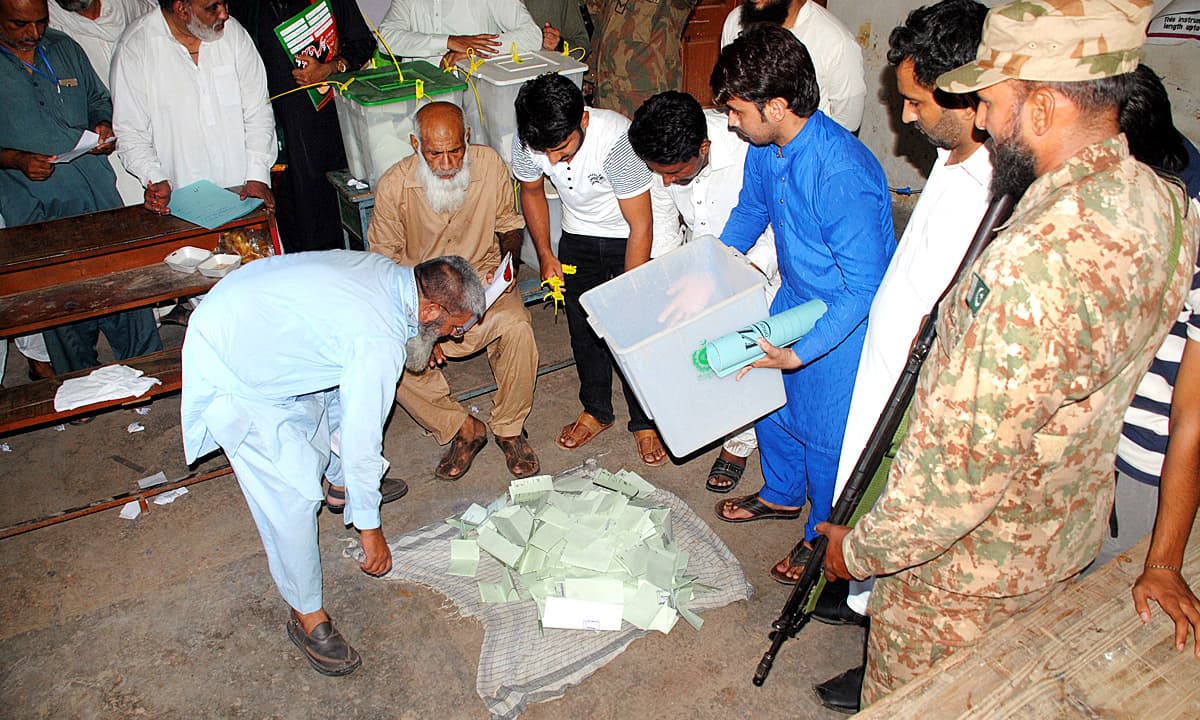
column 590, row 551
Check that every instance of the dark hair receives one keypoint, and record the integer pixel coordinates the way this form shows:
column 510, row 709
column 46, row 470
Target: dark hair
column 1145, row 118
column 549, row 108
column 938, row 38
column 1090, row 96
column 763, row 63
column 668, row 128
column 451, row 282
column 168, row 5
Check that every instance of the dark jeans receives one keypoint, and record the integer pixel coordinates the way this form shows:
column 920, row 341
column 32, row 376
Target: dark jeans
column 130, row 333
column 596, row 260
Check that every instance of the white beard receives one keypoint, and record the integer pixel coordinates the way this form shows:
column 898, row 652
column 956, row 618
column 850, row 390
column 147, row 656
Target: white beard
column 445, row 195
column 420, row 346
column 202, row 31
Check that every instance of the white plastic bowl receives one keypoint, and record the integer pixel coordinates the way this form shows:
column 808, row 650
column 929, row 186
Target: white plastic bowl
column 187, row 258
column 220, row 265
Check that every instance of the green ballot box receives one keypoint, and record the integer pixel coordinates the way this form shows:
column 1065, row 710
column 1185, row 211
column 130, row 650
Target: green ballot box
column 376, row 107
column 657, row 315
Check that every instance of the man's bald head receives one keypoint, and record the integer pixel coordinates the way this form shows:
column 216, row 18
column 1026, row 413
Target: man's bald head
column 441, row 138
column 22, row 25
column 439, row 118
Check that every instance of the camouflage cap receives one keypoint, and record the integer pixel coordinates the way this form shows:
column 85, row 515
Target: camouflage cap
column 1055, row 41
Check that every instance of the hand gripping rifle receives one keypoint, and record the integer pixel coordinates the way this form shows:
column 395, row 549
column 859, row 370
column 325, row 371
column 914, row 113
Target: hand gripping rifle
column 850, row 505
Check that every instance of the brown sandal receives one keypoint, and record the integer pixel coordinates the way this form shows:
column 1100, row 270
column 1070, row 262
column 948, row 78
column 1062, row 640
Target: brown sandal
column 581, row 432
column 648, row 446
column 518, row 455
column 458, row 458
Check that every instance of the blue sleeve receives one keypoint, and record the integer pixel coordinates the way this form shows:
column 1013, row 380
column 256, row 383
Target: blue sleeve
column 366, row 394
column 856, row 227
column 749, row 219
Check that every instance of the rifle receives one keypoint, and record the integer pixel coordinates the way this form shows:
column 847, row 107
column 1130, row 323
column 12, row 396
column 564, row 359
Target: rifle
column 799, row 607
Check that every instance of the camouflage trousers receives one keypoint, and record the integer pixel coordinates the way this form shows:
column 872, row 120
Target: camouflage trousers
column 915, row 625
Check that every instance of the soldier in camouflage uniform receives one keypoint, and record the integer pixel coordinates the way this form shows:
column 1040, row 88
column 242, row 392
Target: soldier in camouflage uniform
column 636, row 50
column 1001, row 491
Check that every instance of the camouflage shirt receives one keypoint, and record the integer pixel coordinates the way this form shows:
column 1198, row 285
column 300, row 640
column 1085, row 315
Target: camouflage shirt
column 1004, row 482
column 636, row 50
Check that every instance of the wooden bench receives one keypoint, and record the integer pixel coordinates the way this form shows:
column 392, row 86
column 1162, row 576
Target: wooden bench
column 63, row 271
column 32, row 404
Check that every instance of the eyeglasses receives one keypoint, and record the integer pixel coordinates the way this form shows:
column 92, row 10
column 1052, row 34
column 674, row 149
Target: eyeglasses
column 457, row 332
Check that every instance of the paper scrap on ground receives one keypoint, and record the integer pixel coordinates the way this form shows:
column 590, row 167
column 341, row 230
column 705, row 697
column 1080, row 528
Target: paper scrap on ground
column 589, row 553
column 208, row 205
column 88, row 141
column 111, row 382
column 170, row 496
column 150, row 481
column 130, row 510
column 134, row 427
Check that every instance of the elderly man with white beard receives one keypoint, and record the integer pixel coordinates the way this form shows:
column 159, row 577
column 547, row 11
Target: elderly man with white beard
column 294, row 384
column 451, row 197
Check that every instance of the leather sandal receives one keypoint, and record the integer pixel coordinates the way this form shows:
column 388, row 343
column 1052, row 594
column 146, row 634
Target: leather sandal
column 723, row 469
column 757, row 508
column 518, row 455
column 580, row 433
column 325, row 648
column 796, row 559
column 390, row 488
column 458, row 458
column 648, row 446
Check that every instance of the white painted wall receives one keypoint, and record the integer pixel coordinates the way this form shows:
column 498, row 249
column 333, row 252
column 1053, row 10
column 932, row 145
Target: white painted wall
column 907, row 157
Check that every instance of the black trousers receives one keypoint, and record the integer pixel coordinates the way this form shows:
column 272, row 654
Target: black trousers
column 597, row 260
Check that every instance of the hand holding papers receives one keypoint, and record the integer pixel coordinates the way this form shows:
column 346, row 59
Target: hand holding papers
column 88, row 141
column 502, row 279
column 209, row 206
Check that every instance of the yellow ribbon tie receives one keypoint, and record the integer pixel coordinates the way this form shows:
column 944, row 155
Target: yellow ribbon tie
column 568, row 51
column 556, row 284
column 516, row 57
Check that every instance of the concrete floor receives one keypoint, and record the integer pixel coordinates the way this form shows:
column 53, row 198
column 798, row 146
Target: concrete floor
column 174, row 615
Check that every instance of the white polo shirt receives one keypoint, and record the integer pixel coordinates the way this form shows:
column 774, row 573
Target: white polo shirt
column 603, row 171
column 836, row 56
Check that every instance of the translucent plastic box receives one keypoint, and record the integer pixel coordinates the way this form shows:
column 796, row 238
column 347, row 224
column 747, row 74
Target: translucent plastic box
column 376, row 111
column 528, row 251
column 497, row 82
column 692, row 406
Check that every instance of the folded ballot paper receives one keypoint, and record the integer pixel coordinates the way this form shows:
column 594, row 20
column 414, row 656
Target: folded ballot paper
column 111, row 382
column 591, row 552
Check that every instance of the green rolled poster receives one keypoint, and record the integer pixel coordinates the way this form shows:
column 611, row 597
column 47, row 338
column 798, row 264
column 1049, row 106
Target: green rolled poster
column 736, row 350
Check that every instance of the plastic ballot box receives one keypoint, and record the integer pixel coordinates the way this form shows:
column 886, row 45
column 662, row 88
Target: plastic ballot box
column 376, row 107
column 655, row 318
column 496, row 81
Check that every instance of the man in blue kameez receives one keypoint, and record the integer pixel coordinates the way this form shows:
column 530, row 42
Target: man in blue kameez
column 51, row 96
column 290, row 366
column 827, row 199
